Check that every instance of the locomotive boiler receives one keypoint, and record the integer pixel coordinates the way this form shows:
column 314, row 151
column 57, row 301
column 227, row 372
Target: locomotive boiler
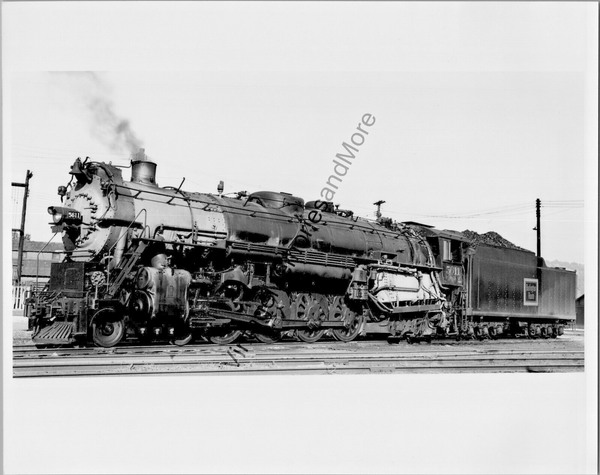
column 159, row 263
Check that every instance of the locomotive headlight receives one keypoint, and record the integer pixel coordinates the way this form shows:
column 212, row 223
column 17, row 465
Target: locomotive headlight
column 64, row 215
column 56, row 214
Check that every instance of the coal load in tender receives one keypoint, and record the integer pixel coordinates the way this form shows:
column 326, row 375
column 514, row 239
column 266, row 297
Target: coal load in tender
column 491, row 239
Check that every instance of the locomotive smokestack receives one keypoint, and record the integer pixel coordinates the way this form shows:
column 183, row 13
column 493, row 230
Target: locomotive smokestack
column 143, row 170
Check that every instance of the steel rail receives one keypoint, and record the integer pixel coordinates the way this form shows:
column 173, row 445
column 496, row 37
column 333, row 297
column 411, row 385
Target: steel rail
column 227, row 368
column 110, row 360
column 276, row 350
column 21, row 348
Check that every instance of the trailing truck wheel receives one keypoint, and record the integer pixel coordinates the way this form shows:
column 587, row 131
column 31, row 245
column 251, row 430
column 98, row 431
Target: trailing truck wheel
column 107, row 328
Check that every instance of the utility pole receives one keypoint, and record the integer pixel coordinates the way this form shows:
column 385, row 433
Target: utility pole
column 538, row 228
column 378, row 204
column 540, row 261
column 21, row 230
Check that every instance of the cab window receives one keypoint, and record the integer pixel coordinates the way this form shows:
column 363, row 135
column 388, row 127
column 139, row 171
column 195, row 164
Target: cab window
column 446, row 250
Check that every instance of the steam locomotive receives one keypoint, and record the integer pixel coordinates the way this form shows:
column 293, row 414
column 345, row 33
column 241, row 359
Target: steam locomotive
column 163, row 264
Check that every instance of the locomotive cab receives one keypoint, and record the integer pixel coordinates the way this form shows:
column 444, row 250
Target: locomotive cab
column 450, row 250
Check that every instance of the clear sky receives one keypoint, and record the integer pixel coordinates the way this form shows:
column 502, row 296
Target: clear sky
column 480, row 108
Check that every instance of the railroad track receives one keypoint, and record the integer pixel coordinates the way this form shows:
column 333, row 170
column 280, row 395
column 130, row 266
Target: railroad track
column 20, row 349
column 292, row 357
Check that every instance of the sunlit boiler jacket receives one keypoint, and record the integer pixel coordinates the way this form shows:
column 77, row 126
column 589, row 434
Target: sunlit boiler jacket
column 108, row 207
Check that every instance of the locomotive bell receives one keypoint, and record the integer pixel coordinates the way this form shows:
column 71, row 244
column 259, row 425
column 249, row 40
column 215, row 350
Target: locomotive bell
column 80, row 172
column 142, row 169
column 160, row 261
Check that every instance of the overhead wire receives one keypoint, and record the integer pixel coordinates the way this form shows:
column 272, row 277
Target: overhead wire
column 59, row 150
column 30, row 152
column 115, row 156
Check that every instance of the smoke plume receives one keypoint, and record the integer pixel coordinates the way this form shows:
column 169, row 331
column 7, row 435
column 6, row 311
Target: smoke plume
column 106, row 125
column 111, row 129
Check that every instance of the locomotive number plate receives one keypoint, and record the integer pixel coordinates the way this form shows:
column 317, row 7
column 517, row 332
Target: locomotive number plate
column 452, row 274
column 74, row 215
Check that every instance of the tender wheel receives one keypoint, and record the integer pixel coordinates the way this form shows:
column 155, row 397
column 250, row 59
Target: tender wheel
column 340, row 312
column 309, row 309
column 107, row 328
column 531, row 331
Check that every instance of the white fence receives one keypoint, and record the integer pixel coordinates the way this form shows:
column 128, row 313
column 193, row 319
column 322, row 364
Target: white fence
column 19, row 294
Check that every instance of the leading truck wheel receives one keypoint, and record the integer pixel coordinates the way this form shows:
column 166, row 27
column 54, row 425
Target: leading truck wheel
column 107, row 328
column 182, row 339
column 183, row 334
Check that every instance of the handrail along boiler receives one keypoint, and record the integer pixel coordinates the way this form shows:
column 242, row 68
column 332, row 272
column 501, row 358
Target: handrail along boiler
column 160, row 263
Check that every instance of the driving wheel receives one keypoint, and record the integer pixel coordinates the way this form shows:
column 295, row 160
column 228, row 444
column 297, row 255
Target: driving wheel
column 107, row 328
column 339, row 312
column 268, row 336
column 308, row 308
column 224, row 336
